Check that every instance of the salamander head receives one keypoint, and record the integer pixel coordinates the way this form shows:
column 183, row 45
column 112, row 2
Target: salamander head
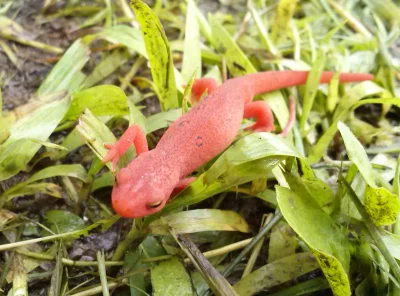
column 142, row 188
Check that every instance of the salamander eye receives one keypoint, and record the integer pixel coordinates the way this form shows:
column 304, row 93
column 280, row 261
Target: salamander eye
column 154, row 205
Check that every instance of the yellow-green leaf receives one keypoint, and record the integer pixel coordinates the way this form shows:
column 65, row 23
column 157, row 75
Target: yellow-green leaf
column 100, row 100
column 285, row 11
column 382, row 205
column 200, row 220
column 157, row 47
column 170, row 278
column 328, row 243
column 277, row 272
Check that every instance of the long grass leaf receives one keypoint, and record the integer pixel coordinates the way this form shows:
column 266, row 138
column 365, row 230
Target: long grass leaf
column 158, row 50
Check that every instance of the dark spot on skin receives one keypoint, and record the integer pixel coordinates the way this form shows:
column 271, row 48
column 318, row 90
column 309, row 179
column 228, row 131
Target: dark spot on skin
column 199, row 141
column 240, row 67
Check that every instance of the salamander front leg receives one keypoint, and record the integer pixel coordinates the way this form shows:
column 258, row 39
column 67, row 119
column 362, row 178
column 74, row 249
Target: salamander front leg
column 133, row 135
column 263, row 114
column 200, row 86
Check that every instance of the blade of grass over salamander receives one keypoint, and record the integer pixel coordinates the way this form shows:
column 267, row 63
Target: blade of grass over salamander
column 239, row 65
column 248, row 159
column 311, row 89
column 157, row 47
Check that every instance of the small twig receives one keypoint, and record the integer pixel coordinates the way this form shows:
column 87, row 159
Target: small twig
column 33, row 43
column 254, row 241
column 355, row 24
column 256, row 251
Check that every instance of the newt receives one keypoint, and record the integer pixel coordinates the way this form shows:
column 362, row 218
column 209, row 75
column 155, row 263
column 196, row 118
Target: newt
column 147, row 183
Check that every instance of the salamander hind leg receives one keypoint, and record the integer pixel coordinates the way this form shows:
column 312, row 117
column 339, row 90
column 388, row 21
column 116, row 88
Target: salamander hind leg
column 263, row 114
column 200, row 86
column 292, row 117
column 133, row 135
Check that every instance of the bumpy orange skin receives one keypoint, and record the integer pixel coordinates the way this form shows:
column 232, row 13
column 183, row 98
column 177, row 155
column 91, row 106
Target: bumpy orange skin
column 146, row 184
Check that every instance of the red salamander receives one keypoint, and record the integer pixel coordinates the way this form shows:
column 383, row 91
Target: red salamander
column 145, row 185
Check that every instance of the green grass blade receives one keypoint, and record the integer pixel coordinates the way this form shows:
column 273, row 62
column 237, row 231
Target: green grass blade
column 191, row 63
column 311, row 88
column 157, row 47
column 348, row 103
column 17, row 150
column 20, row 284
column 357, row 154
column 304, row 288
column 66, row 74
column 102, row 272
column 128, row 36
column 56, row 278
column 73, row 170
column 200, row 220
column 106, row 67
column 50, row 189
